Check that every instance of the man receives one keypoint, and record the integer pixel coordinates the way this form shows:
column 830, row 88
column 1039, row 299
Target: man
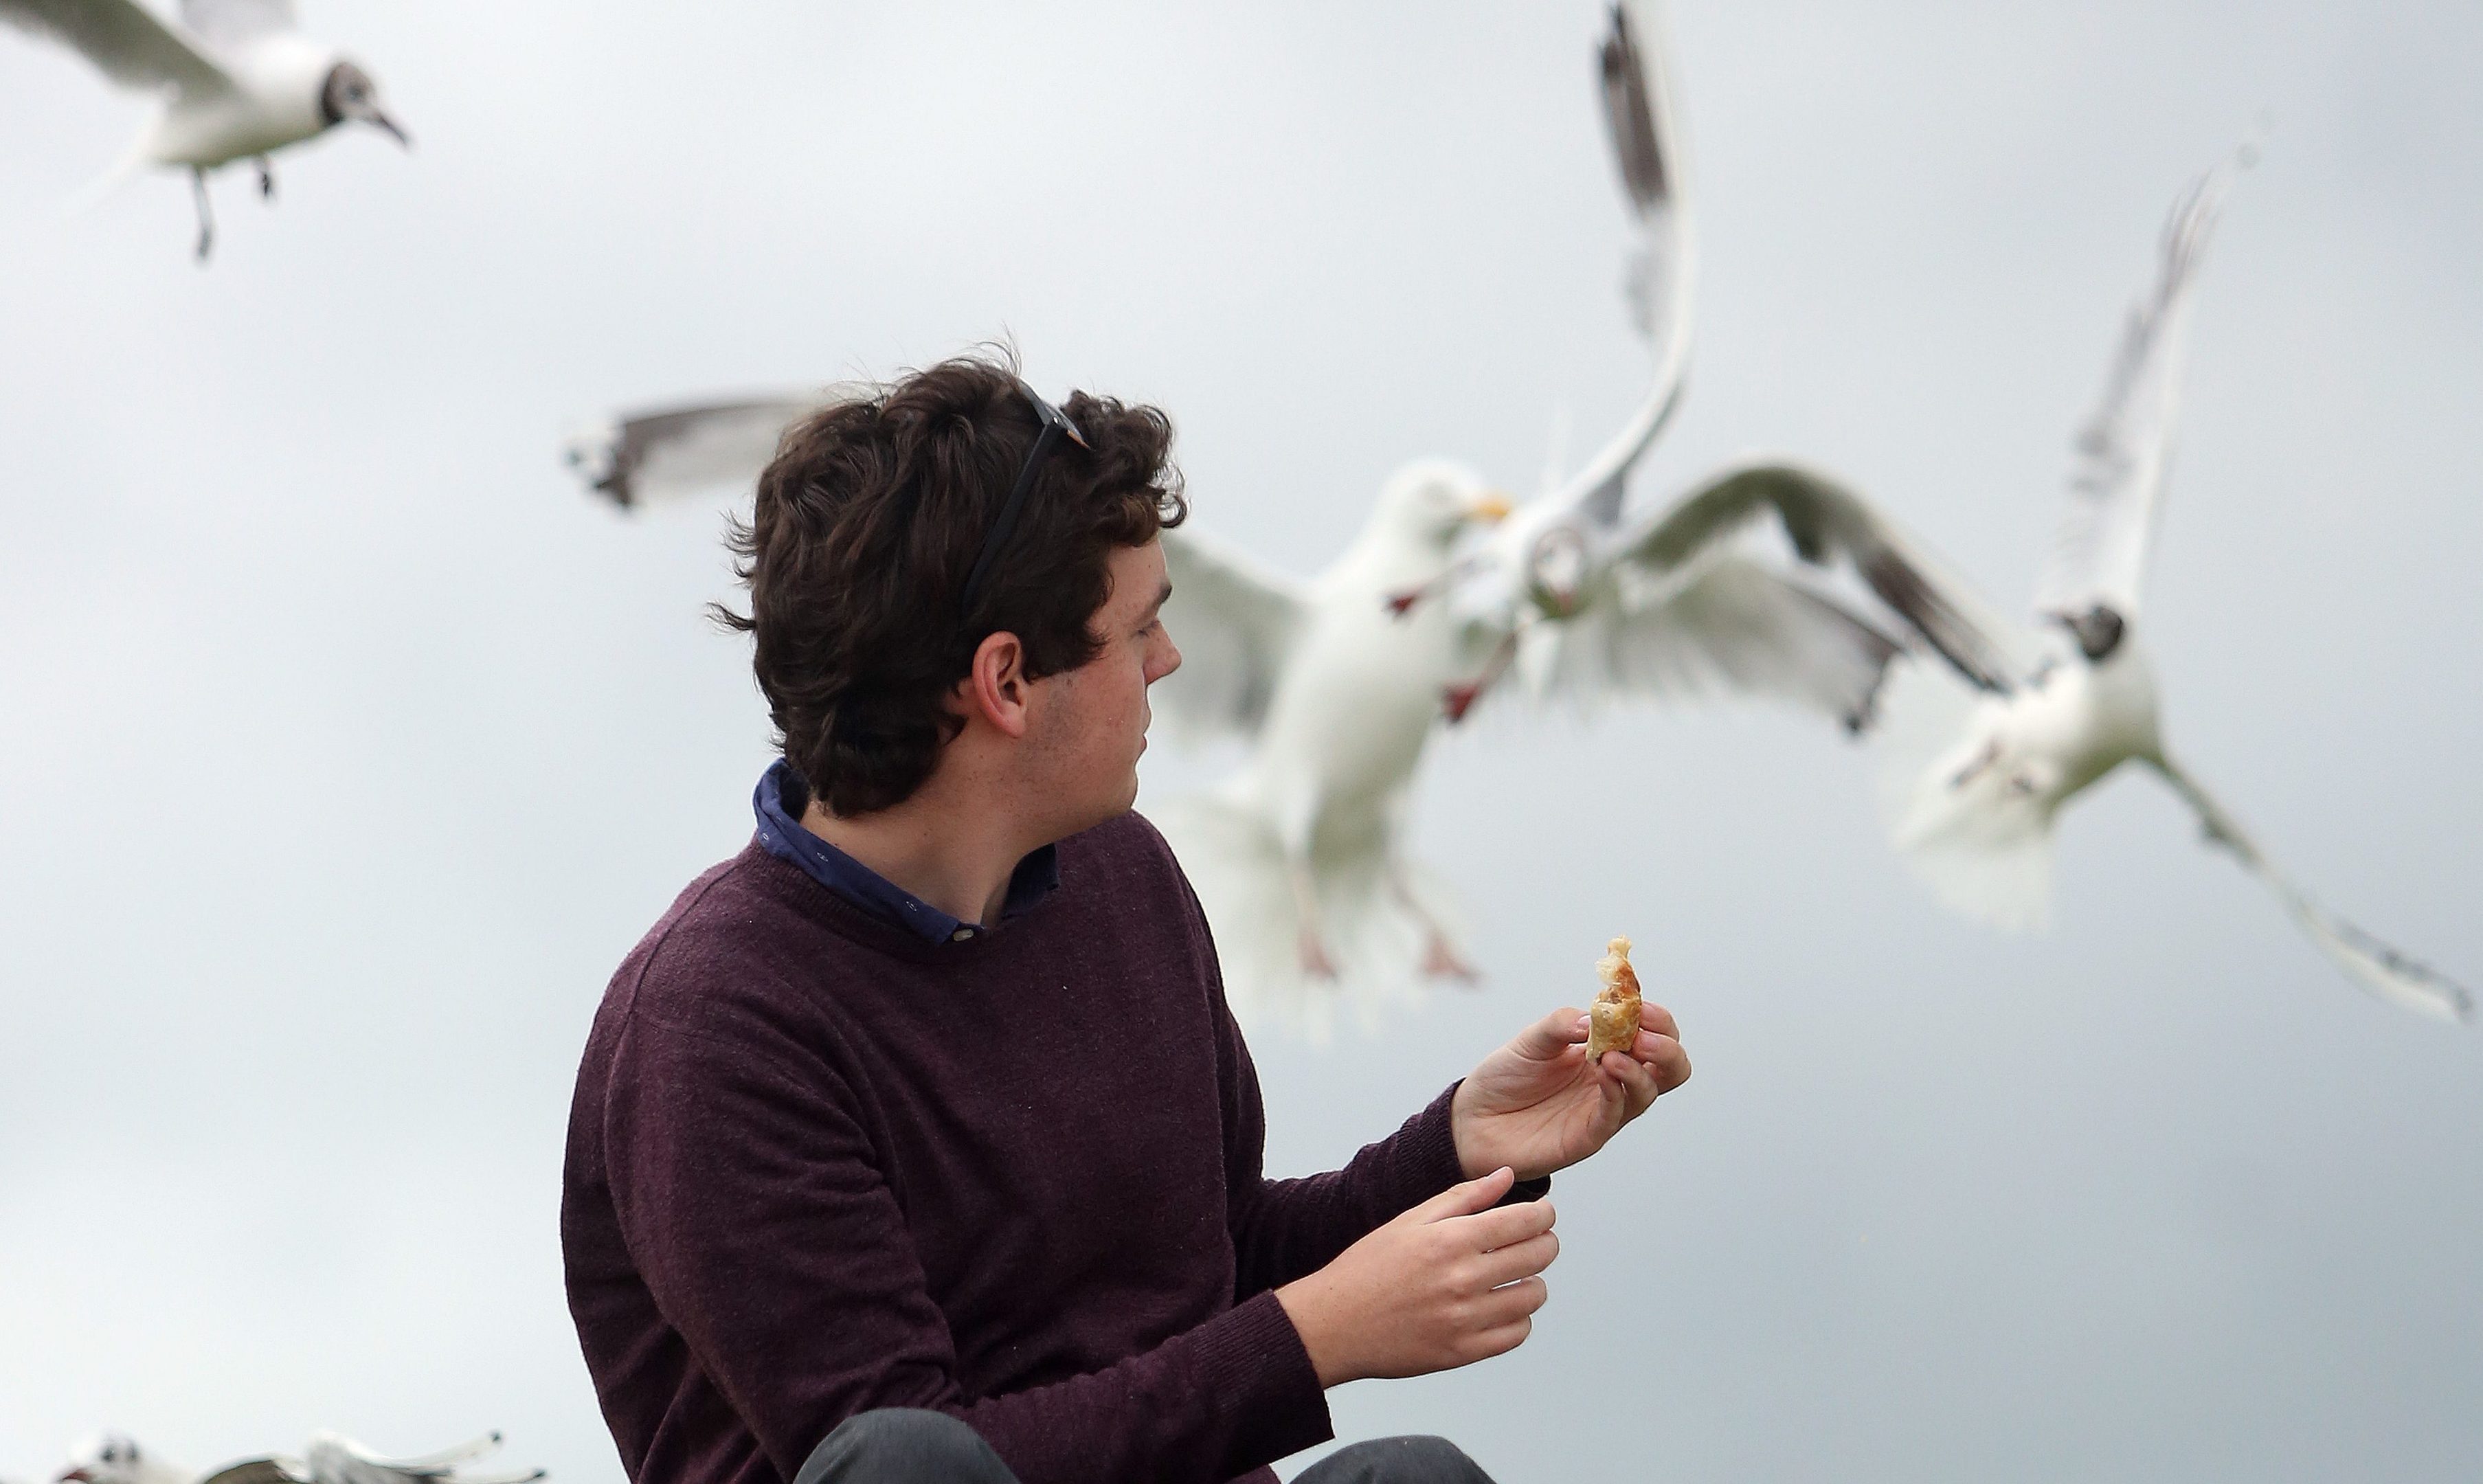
column 914, row 1143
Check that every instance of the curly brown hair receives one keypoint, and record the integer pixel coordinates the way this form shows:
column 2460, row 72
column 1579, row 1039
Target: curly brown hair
column 866, row 525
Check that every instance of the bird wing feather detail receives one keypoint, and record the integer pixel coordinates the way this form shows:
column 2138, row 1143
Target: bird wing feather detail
column 2124, row 452
column 1234, row 622
column 1735, row 626
column 1662, row 262
column 675, row 452
column 2377, row 967
column 125, row 41
column 1823, row 519
column 237, row 22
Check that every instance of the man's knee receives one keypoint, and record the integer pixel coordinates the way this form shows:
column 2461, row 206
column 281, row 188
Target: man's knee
column 1423, row 1460
column 903, row 1445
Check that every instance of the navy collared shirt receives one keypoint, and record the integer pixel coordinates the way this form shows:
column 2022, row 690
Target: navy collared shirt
column 779, row 800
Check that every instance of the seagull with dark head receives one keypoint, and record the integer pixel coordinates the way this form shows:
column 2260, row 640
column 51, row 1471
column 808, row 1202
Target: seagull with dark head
column 117, row 1458
column 235, row 79
column 1977, row 820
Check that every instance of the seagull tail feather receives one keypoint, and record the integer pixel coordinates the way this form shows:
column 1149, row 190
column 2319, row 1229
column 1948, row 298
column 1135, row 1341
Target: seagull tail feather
column 1982, row 849
column 87, row 196
column 1375, row 922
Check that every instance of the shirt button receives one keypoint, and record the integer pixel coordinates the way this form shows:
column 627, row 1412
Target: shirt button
column 961, row 935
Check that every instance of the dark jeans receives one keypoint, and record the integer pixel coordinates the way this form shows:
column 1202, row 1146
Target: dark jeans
column 902, row 1445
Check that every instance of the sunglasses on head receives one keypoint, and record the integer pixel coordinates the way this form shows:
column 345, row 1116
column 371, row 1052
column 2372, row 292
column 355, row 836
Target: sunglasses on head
column 1056, row 427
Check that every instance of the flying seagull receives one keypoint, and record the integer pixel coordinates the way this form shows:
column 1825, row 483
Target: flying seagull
column 673, row 453
column 1592, row 604
column 1977, row 821
column 236, row 80
column 1600, row 603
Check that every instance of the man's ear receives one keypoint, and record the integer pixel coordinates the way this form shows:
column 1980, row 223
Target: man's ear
column 994, row 689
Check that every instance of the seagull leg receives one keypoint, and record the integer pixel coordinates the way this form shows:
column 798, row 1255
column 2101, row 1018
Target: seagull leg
column 206, row 214
column 1976, row 765
column 1457, row 699
column 266, row 179
column 1313, row 932
column 1440, row 957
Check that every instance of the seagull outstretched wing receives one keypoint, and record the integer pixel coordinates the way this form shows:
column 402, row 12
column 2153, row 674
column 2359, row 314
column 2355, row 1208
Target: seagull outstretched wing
column 1234, row 622
column 125, row 41
column 1646, row 138
column 2125, row 450
column 2382, row 970
column 1824, row 522
column 672, row 452
column 1735, row 626
column 1581, row 511
column 237, row 22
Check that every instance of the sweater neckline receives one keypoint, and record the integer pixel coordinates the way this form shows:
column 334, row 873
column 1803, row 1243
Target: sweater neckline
column 797, row 888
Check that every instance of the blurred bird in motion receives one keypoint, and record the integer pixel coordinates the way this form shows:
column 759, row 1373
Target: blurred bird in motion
column 117, row 1458
column 1976, row 819
column 1590, row 602
column 666, row 453
column 235, row 78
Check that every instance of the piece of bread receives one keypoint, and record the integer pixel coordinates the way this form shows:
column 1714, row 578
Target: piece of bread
column 1612, row 1023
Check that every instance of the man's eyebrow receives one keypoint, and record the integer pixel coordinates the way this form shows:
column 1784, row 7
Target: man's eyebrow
column 1161, row 599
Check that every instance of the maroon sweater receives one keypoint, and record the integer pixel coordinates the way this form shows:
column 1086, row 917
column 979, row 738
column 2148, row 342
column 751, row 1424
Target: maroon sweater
column 818, row 1165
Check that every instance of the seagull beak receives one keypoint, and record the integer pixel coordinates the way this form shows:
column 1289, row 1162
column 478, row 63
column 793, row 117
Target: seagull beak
column 1493, row 508
column 380, row 120
column 78, row 1474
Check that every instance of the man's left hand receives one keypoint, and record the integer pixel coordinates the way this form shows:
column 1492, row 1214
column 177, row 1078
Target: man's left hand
column 1537, row 1107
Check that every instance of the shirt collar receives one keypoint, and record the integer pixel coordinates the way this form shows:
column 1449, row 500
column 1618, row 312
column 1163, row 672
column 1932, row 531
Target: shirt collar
column 779, row 800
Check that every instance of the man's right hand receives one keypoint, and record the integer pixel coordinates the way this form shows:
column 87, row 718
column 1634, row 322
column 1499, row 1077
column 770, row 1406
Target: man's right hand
column 1450, row 1282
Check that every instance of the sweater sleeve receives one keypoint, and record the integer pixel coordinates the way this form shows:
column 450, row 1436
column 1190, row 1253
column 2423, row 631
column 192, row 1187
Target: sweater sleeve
column 750, row 1199
column 1283, row 1229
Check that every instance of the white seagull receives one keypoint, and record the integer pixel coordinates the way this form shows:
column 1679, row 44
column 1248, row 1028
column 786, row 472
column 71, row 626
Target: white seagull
column 1591, row 604
column 117, row 1458
column 1598, row 603
column 1977, row 821
column 236, row 79
column 663, row 454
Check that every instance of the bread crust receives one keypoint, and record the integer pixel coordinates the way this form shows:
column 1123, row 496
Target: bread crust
column 1611, row 1022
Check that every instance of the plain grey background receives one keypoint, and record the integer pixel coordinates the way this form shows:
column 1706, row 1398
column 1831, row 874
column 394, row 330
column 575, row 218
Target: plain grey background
column 345, row 745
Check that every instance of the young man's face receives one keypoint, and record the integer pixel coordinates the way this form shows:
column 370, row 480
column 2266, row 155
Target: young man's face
column 1092, row 723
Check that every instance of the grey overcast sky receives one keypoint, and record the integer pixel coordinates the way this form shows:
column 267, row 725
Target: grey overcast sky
column 345, row 746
